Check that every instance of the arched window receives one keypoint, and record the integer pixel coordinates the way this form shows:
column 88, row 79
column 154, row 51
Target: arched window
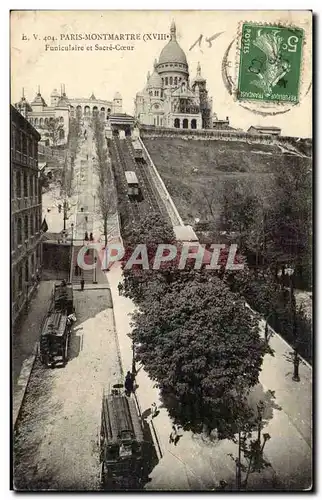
column 171, row 80
column 194, row 123
column 162, row 80
column 108, row 110
column 26, row 227
column 177, row 123
column 95, row 110
column 46, row 121
column 19, row 231
column 103, row 110
column 61, row 119
column 176, row 80
column 185, row 123
column 40, row 122
column 36, row 122
column 166, row 80
column 31, row 120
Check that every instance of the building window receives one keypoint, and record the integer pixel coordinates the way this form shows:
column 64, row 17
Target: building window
column 166, row 80
column 32, row 224
column 194, row 123
column 25, row 185
column 31, row 186
column 171, row 80
column 176, row 80
column 30, row 146
column 177, row 123
column 18, row 184
column 27, row 270
column 32, row 264
column 37, row 224
column 36, row 122
column 18, row 136
column 19, row 231
column 20, row 278
column 162, row 80
column 185, row 123
column 26, row 228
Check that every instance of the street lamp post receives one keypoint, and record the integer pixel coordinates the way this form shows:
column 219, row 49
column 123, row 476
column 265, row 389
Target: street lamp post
column 71, row 254
column 95, row 262
column 295, row 355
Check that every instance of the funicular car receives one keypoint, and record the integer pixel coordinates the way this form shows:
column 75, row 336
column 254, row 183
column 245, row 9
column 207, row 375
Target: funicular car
column 132, row 184
column 53, row 346
column 122, row 446
column 63, row 298
column 56, row 328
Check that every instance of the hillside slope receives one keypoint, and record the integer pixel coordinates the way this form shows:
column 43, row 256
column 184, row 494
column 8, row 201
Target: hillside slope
column 194, row 170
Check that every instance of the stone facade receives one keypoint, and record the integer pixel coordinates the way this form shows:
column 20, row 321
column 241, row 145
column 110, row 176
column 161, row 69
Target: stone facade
column 61, row 108
column 26, row 212
column 169, row 99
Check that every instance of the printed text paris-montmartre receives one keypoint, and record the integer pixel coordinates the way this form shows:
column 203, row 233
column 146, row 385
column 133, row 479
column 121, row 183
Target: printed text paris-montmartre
column 112, row 36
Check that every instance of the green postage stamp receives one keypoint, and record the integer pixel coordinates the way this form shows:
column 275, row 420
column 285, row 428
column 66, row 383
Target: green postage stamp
column 270, row 63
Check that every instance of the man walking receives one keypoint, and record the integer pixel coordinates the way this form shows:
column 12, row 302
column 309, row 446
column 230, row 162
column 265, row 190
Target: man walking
column 129, row 383
column 82, row 284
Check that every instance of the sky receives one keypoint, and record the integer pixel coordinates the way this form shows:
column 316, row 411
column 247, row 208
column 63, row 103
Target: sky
column 105, row 72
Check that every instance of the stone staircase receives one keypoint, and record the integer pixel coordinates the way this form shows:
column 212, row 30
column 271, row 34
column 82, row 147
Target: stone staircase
column 87, row 274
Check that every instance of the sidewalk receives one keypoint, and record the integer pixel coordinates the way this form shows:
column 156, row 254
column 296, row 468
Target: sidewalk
column 24, row 342
column 200, row 465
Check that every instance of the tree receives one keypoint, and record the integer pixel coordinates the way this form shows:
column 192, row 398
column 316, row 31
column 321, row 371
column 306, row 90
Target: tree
column 106, row 190
column 54, row 128
column 288, row 220
column 202, row 347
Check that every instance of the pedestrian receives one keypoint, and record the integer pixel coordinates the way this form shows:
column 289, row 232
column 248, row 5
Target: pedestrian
column 86, row 236
column 82, row 284
column 154, row 410
column 174, row 436
column 266, row 332
column 128, row 383
column 91, row 237
column 76, row 270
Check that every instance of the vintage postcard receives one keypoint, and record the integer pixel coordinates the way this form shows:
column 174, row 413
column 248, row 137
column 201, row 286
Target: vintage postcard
column 161, row 250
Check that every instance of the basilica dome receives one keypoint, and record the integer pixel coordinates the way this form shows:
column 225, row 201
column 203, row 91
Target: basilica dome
column 172, row 52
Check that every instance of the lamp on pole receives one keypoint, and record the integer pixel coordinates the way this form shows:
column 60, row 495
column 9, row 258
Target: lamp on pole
column 95, row 262
column 295, row 354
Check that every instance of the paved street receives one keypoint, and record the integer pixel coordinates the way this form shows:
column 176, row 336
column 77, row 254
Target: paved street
column 27, row 333
column 56, row 442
